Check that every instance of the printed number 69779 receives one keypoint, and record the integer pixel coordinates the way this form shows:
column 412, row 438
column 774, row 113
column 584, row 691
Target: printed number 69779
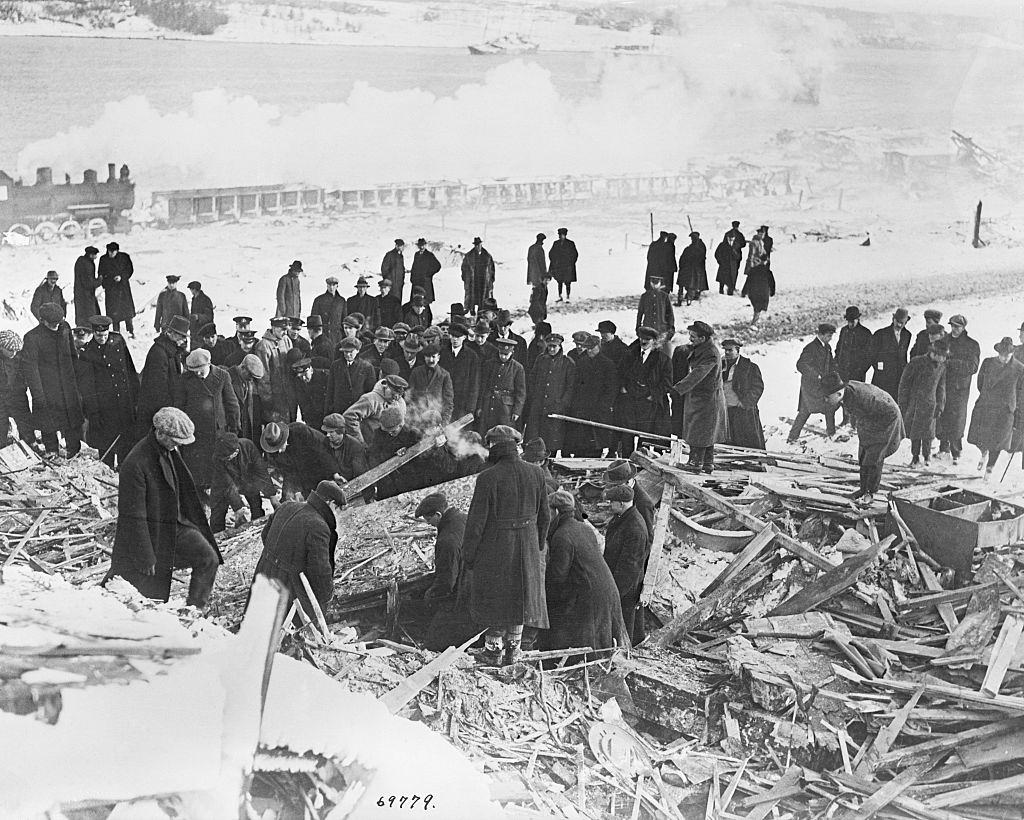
column 404, row 801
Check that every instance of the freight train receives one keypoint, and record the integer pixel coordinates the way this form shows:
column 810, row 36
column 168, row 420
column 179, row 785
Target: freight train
column 45, row 211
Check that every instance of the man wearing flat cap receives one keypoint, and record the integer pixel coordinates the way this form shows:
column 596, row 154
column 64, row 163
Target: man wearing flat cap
column 330, row 308
column 289, row 297
column 502, row 388
column 48, row 291
column 932, row 319
column 644, row 377
column 854, row 350
column 295, row 338
column 109, row 385
column 549, row 390
column 704, row 417
column 86, row 282
column 239, row 472
column 431, row 395
column 962, row 363
column 503, row 547
column 389, row 306
column 424, row 266
column 350, row 377
column 890, row 346
column 245, row 377
column 416, row 312
column 272, row 350
column 161, row 524
column 300, row 539
column 161, row 373
column 170, row 302
column 626, row 550
column 693, row 272
column 593, row 398
column 362, row 419
column 477, row 276
column 814, row 365
column 200, row 312
column 204, row 393
column 743, row 386
column 115, row 272
column 392, row 267
column 48, row 364
column 364, row 304
column 448, row 595
column 562, row 260
column 537, row 264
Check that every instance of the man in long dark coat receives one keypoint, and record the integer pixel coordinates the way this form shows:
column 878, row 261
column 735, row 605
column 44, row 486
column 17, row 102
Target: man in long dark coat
column 330, row 307
column 693, row 272
column 1000, row 405
column 890, row 346
column 655, row 310
column 645, row 377
column 86, row 282
column 626, row 550
column 431, row 397
column 739, row 240
column 48, row 291
column 879, row 428
column 611, row 345
column 424, row 267
column 161, row 525
column 200, row 312
column 854, row 351
column 727, row 255
column 245, row 377
column 463, row 365
column 477, row 276
column 238, row 473
column 593, row 398
column 661, row 261
column 205, row 394
column 229, row 346
column 506, row 528
column 309, row 385
column 170, row 302
column 392, row 267
column 109, row 385
column 502, row 394
column 582, row 599
column 364, row 304
column 549, row 390
column 815, row 364
column 48, row 365
column 922, row 342
column 744, row 386
column 704, row 417
column 13, row 391
column 961, row 365
column 115, row 272
column 161, row 373
column 562, row 258
column 349, row 379
column 300, row 539
column 921, row 397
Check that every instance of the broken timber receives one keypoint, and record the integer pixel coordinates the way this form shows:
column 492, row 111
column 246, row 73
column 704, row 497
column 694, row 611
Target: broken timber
column 658, row 546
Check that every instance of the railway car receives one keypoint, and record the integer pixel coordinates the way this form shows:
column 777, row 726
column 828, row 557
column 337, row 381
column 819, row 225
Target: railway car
column 44, row 212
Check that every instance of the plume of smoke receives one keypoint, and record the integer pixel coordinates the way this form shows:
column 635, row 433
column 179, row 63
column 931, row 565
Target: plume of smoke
column 423, row 416
column 647, row 113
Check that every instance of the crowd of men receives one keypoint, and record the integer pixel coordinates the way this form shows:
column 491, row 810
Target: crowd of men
column 288, row 416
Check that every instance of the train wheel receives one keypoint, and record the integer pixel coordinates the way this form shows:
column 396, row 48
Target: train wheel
column 21, row 229
column 70, row 229
column 46, row 231
column 95, row 227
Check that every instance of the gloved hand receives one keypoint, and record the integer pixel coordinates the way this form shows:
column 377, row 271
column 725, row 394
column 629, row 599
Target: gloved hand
column 242, row 516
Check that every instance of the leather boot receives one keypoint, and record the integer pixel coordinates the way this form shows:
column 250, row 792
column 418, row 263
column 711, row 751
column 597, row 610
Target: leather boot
column 513, row 654
column 709, row 460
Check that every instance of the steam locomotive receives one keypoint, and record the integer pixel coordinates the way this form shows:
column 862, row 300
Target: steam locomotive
column 44, row 211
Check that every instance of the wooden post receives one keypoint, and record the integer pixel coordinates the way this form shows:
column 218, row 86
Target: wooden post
column 652, row 226
column 976, row 241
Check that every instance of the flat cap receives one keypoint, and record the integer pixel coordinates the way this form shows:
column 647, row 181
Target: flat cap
column 113, row 246
column 392, row 417
column 80, row 331
column 396, row 383
column 502, row 432
column 535, row 451
column 51, row 312
column 580, row 336
column 91, row 249
column 562, row 501
column 433, row 503
column 704, row 329
column 385, row 283
column 606, row 327
column 933, row 314
column 646, row 332
column 958, row 319
column 500, row 342
column 352, row 320
column 432, row 349
column 541, row 237
column 459, row 329
column 384, row 333
column 301, row 364
column 401, row 327
column 591, row 341
column 274, row 437
column 172, row 277
column 331, row 280
column 328, row 490
column 619, row 492
column 174, row 424
column 826, row 327
column 10, row 341
column 333, row 423
column 209, row 329
column 198, row 359
column 349, row 344
column 731, row 343
column 254, row 364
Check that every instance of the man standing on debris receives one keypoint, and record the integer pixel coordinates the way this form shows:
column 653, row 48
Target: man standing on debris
column 48, row 364
column 115, row 272
column 890, row 346
column 743, row 385
column 300, row 539
column 477, row 276
column 170, row 302
column 502, row 388
column 48, row 291
column 854, row 350
column 563, row 257
column 921, row 397
column 704, row 417
column 549, row 390
column 626, row 550
column 999, row 407
column 392, row 267
column 161, row 373
column 961, row 365
column 86, row 282
column 110, row 389
column 814, row 365
column 645, row 377
column 238, row 472
column 13, row 391
column 506, row 530
column 161, row 525
column 879, row 427
column 289, row 297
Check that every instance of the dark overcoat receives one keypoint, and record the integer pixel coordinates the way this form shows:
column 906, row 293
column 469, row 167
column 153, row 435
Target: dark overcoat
column 213, row 407
column 583, row 602
column 814, row 365
column 642, row 403
column 879, row 421
column 465, row 372
column 626, row 549
column 160, row 376
column 593, row 398
column 961, row 365
column 854, row 352
column 505, row 532
column 1000, row 403
column 451, row 531
column 200, row 313
column 330, row 307
column 169, row 303
column 655, row 310
column 921, row 396
column 392, row 267
column 48, row 365
column 430, row 391
column 728, row 259
column 300, row 538
column 389, row 308
column 563, row 257
column 889, row 357
column 245, row 474
column 249, row 412
column 14, row 400
column 120, row 305
column 549, row 390
column 704, row 417
column 693, row 271
column 424, row 319
column 451, row 624
column 745, row 428
column 347, row 382
column 759, row 286
column 366, row 305
column 109, row 386
column 521, row 348
column 86, row 282
column 661, row 261
column 307, row 460
column 502, row 393
column 289, row 296
column 43, row 294
column 312, row 396
column 424, row 266
column 477, row 276
column 155, row 491
column 615, row 349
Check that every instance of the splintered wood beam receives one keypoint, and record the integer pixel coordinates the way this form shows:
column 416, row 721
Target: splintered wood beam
column 1003, row 652
column 397, row 698
column 668, row 494
column 749, row 553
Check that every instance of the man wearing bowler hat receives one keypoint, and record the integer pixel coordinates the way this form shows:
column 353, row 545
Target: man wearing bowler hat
column 854, row 351
column 477, row 276
column 289, row 296
column 109, row 386
column 424, row 267
column 392, row 267
column 115, row 272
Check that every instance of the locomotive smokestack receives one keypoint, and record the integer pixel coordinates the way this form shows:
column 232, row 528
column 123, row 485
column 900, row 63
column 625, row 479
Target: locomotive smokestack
column 44, row 176
column 89, row 177
column 111, row 176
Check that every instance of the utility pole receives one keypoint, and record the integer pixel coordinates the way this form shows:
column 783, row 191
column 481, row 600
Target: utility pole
column 976, row 242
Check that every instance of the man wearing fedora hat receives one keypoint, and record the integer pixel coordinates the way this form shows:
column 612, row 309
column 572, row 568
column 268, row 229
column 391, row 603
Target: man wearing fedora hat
column 48, row 365
column 645, row 377
column 300, row 454
column 86, row 282
column 424, row 266
column 854, row 352
column 200, row 311
column 161, row 373
column 502, row 394
column 289, row 296
column 562, row 258
column 364, row 304
column 115, row 273
column 891, row 345
column 814, row 365
column 477, row 276
column 392, row 267
column 463, row 365
column 655, row 310
column 961, row 365
column 693, row 272
column 1000, row 406
column 704, row 416
column 109, row 386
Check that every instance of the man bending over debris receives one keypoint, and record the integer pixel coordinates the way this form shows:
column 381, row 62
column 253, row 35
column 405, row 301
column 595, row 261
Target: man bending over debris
column 300, row 538
column 879, row 427
column 161, row 525
column 238, row 472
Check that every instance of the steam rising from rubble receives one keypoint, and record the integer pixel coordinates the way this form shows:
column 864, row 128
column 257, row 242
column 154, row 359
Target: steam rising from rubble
column 424, row 417
column 648, row 113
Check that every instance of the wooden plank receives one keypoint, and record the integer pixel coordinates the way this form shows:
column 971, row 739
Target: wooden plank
column 952, row 692
column 887, row 736
column 668, row 494
column 24, row 540
column 945, row 597
column 951, row 741
column 749, row 553
column 945, row 610
column 974, row 793
column 397, row 698
column 830, row 583
column 902, row 801
column 1003, row 652
column 889, row 792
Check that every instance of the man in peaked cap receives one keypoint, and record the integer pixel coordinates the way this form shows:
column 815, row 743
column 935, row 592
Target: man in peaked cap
column 814, row 365
column 161, row 524
column 109, row 385
column 170, row 302
column 502, row 394
column 503, row 330
column 392, row 267
column 562, row 260
column 230, row 346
